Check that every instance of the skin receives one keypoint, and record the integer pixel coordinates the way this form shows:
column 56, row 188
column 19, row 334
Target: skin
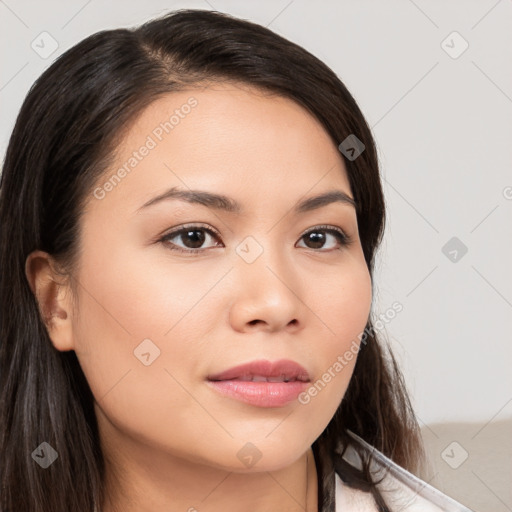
column 170, row 440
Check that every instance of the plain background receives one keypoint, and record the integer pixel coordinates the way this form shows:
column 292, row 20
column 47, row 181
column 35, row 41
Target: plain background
column 441, row 114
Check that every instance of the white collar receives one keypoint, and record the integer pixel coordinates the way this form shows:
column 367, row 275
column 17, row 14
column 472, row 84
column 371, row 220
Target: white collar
column 400, row 489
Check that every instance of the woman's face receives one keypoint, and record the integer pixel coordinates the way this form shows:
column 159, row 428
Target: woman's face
column 156, row 320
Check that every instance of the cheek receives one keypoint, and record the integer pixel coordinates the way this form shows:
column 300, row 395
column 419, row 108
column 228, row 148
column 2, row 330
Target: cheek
column 343, row 306
column 343, row 309
column 128, row 315
column 138, row 342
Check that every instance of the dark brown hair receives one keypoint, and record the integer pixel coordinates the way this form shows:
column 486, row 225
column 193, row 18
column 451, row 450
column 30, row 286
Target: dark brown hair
column 64, row 137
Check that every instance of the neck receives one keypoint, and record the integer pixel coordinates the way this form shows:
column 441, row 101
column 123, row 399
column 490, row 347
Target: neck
column 151, row 481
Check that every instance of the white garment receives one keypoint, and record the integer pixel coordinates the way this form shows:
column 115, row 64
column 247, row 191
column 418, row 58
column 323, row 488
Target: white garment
column 401, row 490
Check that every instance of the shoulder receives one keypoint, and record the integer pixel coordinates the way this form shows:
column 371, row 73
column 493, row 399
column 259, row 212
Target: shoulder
column 401, row 490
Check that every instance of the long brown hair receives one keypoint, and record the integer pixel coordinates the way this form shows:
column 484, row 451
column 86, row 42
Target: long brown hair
column 65, row 133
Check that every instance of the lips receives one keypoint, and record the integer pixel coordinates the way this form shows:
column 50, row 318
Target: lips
column 283, row 370
column 262, row 383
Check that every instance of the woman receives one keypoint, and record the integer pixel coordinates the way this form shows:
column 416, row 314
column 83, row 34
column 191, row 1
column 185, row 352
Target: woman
column 189, row 216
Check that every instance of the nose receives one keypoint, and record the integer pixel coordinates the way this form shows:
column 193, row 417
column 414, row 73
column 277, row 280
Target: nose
column 267, row 296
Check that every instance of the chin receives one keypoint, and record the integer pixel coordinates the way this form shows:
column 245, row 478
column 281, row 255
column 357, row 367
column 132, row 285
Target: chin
column 266, row 455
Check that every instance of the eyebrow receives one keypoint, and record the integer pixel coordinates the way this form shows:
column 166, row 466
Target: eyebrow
column 227, row 204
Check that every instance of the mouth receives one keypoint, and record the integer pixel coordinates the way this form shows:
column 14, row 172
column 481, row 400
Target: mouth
column 283, row 370
column 262, row 383
column 262, row 378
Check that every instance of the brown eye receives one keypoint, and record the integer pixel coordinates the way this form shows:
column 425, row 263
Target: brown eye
column 192, row 237
column 317, row 238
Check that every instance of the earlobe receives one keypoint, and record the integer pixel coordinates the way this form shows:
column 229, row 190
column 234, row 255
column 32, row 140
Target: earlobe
column 53, row 298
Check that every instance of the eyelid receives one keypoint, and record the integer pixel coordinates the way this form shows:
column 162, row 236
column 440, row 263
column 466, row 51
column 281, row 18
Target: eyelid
column 207, row 227
column 189, row 225
column 326, row 227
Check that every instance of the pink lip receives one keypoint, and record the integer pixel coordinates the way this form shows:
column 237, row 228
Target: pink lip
column 236, row 384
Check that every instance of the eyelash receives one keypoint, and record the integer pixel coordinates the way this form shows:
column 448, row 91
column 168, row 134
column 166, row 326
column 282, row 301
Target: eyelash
column 344, row 239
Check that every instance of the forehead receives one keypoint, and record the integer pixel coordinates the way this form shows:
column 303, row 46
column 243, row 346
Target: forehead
column 224, row 137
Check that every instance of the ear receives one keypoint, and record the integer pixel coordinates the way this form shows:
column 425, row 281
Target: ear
column 53, row 296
